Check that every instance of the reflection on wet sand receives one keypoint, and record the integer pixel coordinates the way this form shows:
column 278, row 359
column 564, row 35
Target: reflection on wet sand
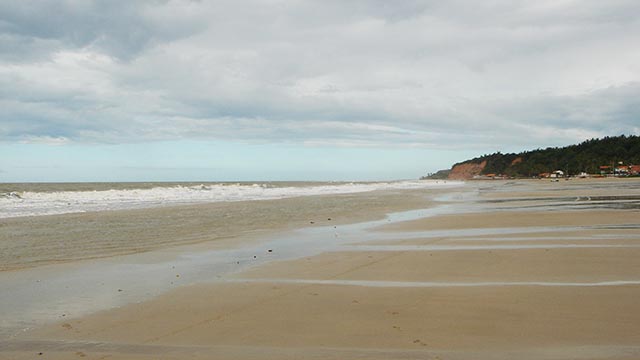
column 467, row 278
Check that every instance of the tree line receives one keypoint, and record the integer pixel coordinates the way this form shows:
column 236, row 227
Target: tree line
column 587, row 156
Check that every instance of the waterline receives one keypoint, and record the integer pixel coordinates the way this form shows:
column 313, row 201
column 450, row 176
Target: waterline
column 430, row 284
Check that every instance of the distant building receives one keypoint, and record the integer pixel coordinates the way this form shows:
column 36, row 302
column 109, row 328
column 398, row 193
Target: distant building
column 557, row 174
column 621, row 170
column 490, row 177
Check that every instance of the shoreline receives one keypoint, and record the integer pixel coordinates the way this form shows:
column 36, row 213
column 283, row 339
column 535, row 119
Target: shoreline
column 56, row 239
column 467, row 278
column 58, row 199
column 69, row 284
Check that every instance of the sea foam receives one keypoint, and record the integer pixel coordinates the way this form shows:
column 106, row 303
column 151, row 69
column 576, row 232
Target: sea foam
column 16, row 204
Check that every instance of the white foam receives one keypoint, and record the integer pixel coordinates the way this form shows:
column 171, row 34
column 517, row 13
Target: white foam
column 49, row 203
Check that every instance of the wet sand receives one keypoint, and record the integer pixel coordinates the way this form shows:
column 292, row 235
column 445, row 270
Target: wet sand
column 407, row 290
column 514, row 219
column 463, row 266
column 34, row 241
column 404, row 322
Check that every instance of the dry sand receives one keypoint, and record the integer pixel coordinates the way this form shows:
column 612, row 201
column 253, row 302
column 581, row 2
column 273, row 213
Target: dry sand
column 361, row 303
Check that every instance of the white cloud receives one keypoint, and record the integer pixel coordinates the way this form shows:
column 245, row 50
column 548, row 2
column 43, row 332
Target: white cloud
column 45, row 140
column 371, row 73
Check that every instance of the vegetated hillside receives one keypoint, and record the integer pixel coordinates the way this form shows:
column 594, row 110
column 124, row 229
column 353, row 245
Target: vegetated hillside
column 439, row 175
column 587, row 157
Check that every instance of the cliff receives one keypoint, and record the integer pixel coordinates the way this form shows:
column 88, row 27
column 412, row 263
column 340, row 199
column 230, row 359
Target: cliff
column 588, row 156
column 466, row 170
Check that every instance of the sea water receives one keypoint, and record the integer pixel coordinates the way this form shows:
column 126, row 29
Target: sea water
column 48, row 199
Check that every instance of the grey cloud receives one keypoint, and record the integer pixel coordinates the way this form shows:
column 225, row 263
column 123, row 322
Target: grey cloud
column 617, row 106
column 359, row 73
column 120, row 28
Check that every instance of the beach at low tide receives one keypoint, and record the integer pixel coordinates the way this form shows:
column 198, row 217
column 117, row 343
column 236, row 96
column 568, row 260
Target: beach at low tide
column 488, row 270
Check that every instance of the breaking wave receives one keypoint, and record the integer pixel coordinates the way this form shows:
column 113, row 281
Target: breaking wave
column 16, row 204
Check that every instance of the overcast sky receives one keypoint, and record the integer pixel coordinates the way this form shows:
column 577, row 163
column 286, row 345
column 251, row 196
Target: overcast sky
column 239, row 90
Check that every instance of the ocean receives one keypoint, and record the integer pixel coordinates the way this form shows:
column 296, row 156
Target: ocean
column 38, row 199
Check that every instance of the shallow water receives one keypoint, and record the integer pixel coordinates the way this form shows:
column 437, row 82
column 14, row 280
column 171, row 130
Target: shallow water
column 429, row 284
column 477, row 247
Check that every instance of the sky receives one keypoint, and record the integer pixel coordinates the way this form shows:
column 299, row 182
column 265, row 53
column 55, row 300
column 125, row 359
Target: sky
column 305, row 90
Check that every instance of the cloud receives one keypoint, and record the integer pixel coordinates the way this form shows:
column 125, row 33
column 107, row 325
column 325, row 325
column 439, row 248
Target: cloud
column 45, row 140
column 363, row 73
column 120, row 28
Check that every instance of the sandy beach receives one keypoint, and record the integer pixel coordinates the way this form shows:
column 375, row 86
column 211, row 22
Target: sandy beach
column 492, row 270
column 33, row 241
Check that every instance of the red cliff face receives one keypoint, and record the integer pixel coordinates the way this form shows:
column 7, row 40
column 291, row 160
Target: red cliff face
column 466, row 171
